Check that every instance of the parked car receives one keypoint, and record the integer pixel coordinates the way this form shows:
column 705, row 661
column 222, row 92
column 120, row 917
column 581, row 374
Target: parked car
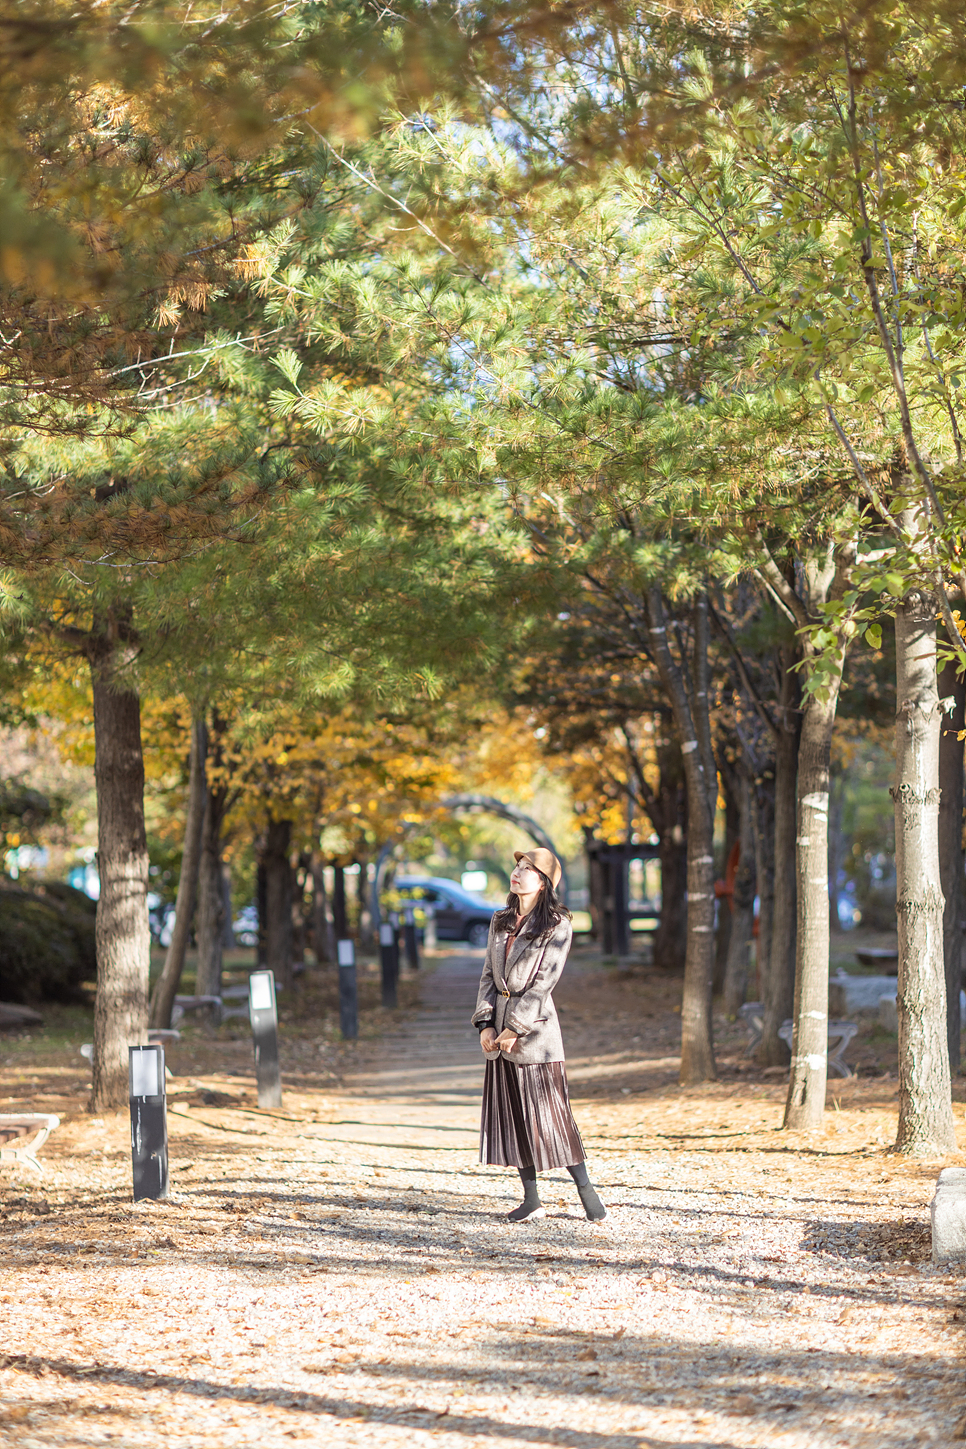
column 160, row 919
column 245, row 926
column 460, row 915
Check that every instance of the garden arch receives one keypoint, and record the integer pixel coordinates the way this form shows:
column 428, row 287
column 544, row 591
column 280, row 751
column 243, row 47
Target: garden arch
column 471, row 804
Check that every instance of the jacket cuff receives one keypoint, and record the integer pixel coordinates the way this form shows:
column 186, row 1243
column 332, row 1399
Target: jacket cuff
column 518, row 1026
column 482, row 1016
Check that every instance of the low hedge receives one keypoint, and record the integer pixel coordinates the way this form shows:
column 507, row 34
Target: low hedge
column 47, row 948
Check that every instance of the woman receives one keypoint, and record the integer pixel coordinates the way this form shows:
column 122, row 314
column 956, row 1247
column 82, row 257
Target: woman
column 526, row 1121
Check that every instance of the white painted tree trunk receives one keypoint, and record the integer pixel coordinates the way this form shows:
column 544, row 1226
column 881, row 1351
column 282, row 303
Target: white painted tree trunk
column 925, row 1109
column 805, row 1104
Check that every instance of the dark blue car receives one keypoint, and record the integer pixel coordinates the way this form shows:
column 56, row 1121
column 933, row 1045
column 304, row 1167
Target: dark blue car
column 460, row 915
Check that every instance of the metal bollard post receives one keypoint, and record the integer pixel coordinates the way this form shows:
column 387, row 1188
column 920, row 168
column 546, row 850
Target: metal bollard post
column 390, row 964
column 409, row 935
column 264, row 1019
column 348, row 991
column 429, row 931
column 149, row 1122
column 394, row 922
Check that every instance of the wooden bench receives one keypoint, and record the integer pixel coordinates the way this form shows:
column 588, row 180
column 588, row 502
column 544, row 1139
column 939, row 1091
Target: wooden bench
column 840, row 1033
column 753, row 1016
column 194, row 1003
column 22, row 1134
column 238, row 994
column 156, row 1034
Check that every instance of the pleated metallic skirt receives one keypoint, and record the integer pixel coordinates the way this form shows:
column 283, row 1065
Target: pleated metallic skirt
column 526, row 1119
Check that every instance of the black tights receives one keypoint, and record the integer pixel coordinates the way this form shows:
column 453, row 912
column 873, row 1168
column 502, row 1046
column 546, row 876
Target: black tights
column 528, row 1176
column 593, row 1206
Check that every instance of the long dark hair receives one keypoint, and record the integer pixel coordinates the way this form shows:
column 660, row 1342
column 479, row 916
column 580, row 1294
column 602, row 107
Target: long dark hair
column 545, row 917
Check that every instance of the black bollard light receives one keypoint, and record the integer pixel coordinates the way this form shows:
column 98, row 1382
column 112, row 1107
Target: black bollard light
column 390, row 964
column 264, row 1019
column 409, row 935
column 397, row 938
column 348, row 990
column 149, row 1121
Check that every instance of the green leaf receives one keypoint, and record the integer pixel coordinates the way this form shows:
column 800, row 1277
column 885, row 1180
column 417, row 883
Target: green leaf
column 289, row 365
column 873, row 636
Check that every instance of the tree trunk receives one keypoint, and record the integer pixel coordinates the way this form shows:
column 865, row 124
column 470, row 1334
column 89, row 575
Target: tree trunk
column 366, row 939
column 764, row 823
column 836, row 851
column 122, row 934
column 340, row 918
column 595, row 888
column 228, row 941
column 670, row 938
column 211, row 897
column 779, row 984
column 168, row 982
column 726, row 905
column 322, row 934
column 925, row 1109
column 299, row 879
column 278, row 900
column 743, row 902
column 688, row 694
column 952, row 688
column 261, row 905
column 805, row 1103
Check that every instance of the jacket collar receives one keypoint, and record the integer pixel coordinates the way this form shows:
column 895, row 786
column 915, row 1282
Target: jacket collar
column 520, row 944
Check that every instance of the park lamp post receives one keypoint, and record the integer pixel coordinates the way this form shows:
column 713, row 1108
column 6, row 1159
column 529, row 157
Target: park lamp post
column 348, row 990
column 264, row 1018
column 389, row 960
column 149, row 1121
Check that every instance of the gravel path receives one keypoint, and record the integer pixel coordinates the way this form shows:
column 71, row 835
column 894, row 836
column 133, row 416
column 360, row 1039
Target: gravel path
column 340, row 1271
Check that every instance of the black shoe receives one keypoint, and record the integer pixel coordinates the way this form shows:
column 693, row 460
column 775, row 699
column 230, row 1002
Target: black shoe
column 526, row 1212
column 593, row 1207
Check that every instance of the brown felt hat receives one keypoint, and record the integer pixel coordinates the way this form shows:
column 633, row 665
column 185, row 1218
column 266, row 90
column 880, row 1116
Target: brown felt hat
column 544, row 860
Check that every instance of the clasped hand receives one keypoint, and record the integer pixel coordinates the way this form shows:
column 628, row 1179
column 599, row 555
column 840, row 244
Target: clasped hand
column 489, row 1040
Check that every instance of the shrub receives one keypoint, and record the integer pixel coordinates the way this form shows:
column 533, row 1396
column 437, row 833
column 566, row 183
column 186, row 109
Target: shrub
column 47, row 947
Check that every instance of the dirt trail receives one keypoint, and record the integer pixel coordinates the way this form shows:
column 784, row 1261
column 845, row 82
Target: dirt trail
column 341, row 1272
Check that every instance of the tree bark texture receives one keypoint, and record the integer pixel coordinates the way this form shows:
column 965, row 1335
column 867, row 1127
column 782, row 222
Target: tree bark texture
column 952, row 690
column 211, row 897
column 726, row 908
column 122, row 933
column 779, row 983
column 261, row 905
column 278, row 900
column 925, row 1109
column 668, row 813
column 687, row 689
column 764, row 825
column 743, row 902
column 805, row 1103
column 300, row 877
column 228, row 941
column 836, row 848
column 595, row 888
column 366, row 937
column 168, row 982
